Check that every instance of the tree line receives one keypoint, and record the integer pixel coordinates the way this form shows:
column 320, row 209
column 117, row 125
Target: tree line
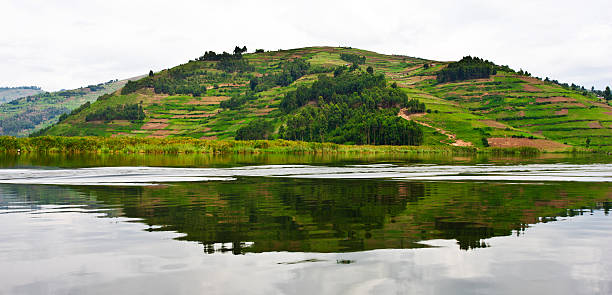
column 467, row 68
column 353, row 87
column 353, row 58
column 132, row 112
column 290, row 71
column 256, row 129
column 339, row 123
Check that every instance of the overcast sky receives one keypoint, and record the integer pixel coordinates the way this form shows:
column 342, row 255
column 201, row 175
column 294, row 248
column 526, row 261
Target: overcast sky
column 67, row 44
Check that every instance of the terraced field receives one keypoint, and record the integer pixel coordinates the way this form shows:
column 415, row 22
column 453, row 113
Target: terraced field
column 505, row 110
column 510, row 105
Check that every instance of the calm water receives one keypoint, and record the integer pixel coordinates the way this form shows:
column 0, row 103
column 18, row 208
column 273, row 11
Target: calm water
column 295, row 225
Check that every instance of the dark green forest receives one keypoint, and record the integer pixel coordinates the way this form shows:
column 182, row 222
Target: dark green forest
column 132, row 112
column 256, row 129
column 467, row 68
column 352, row 107
column 353, row 58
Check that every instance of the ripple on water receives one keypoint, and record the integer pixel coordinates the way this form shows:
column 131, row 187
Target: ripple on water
column 143, row 176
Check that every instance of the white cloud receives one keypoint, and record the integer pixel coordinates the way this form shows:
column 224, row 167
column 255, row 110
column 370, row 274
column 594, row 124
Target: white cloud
column 67, row 44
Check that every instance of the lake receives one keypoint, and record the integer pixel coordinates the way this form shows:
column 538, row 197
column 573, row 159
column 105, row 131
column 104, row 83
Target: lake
column 291, row 224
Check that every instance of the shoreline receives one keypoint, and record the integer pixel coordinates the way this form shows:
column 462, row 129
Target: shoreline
column 131, row 145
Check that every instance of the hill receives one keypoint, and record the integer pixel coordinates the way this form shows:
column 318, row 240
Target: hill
column 10, row 93
column 24, row 115
column 348, row 95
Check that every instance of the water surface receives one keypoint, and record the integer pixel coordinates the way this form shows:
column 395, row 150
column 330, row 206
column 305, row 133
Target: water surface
column 352, row 226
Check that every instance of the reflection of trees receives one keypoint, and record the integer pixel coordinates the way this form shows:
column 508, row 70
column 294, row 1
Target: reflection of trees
column 282, row 214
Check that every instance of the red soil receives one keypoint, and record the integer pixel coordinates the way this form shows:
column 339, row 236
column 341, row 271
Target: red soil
column 555, row 99
column 595, row 125
column 508, row 142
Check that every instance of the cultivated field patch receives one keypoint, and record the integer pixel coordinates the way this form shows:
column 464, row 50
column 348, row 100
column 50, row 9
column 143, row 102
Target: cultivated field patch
column 555, row 99
column 494, row 124
column 510, row 142
column 595, row 125
column 154, row 126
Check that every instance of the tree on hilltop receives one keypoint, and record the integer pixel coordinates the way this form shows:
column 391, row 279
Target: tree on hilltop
column 240, row 51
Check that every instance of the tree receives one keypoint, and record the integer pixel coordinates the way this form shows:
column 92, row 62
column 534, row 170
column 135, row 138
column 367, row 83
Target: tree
column 240, row 51
column 256, row 130
column 607, row 93
column 151, row 73
column 426, row 66
column 370, row 70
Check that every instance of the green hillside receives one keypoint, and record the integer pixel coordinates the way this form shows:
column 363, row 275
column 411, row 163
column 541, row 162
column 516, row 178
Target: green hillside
column 347, row 95
column 11, row 93
column 29, row 113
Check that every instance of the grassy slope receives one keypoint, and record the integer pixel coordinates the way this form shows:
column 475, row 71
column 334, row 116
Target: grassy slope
column 7, row 95
column 505, row 105
column 43, row 104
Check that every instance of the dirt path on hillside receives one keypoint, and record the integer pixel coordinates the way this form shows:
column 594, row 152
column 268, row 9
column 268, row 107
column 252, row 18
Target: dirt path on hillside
column 452, row 137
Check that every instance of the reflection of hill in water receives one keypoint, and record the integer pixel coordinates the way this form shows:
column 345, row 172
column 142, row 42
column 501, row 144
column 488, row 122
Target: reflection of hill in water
column 307, row 215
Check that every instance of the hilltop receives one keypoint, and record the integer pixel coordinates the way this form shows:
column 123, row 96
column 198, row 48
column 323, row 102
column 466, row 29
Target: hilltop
column 348, row 95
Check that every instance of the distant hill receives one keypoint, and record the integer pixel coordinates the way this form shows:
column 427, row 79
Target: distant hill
column 348, row 95
column 10, row 93
column 21, row 116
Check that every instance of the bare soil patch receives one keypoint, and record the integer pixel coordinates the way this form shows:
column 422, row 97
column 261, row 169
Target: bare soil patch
column 97, row 122
column 531, row 88
column 494, row 124
column 264, row 111
column 555, row 99
column 595, row 125
column 208, row 100
column 406, row 116
column 531, row 80
column 164, row 133
column 158, row 120
column 189, row 116
column 562, row 112
column 209, row 137
column 153, row 126
column 509, row 142
column 521, row 114
column 603, row 105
